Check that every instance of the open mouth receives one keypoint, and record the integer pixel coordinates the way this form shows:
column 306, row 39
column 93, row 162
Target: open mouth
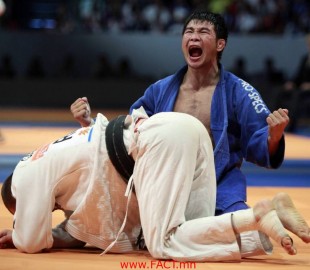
column 195, row 51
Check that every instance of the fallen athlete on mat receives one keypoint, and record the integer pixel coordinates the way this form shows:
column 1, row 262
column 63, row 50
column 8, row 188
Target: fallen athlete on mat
column 116, row 179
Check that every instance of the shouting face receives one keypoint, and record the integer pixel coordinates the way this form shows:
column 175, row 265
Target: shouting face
column 200, row 45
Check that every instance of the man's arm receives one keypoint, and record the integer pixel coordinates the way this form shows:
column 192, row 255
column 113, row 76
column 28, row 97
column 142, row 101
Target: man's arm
column 277, row 122
column 6, row 240
column 81, row 111
column 62, row 239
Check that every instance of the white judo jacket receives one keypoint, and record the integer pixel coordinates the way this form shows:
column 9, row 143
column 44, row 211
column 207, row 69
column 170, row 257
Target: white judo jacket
column 76, row 174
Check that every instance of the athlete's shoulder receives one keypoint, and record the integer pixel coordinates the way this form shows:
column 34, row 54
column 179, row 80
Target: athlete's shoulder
column 172, row 78
column 236, row 82
column 164, row 81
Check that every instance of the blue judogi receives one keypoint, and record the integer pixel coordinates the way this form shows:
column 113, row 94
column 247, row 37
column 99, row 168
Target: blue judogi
column 238, row 126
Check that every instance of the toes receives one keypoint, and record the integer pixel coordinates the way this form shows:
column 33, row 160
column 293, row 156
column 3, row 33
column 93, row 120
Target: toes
column 305, row 237
column 287, row 244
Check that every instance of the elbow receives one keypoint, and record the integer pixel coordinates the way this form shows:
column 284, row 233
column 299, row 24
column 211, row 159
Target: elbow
column 30, row 246
column 30, row 249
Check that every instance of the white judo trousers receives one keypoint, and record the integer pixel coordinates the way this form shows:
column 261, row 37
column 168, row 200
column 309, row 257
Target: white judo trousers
column 175, row 185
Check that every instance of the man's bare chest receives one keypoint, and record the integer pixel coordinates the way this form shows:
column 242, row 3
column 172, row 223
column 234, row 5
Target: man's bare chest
column 195, row 103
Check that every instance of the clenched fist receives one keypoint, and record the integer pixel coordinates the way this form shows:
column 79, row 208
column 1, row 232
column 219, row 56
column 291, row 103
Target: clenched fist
column 80, row 110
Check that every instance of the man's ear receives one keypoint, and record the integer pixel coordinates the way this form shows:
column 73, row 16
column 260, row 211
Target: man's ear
column 221, row 43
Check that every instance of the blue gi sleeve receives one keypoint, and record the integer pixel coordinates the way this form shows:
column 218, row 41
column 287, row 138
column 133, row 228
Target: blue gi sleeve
column 160, row 96
column 252, row 113
column 147, row 101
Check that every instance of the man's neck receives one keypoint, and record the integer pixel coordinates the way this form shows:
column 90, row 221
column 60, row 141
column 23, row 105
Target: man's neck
column 202, row 77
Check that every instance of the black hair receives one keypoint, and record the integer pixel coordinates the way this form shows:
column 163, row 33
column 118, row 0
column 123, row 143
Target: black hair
column 6, row 194
column 216, row 19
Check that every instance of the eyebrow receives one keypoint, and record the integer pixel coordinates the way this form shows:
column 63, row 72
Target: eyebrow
column 198, row 28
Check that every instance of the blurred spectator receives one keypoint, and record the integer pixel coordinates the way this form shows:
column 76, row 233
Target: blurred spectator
column 112, row 17
column 124, row 69
column 230, row 16
column 242, row 16
column 297, row 91
column 240, row 69
column 67, row 16
column 265, row 11
column 157, row 15
column 67, row 69
column 278, row 20
column 219, row 6
column 90, row 14
column 7, row 70
column 132, row 16
column 299, row 21
column 270, row 81
column 271, row 73
column 180, row 11
column 247, row 20
column 35, row 68
column 2, row 9
column 301, row 79
column 103, row 68
column 198, row 3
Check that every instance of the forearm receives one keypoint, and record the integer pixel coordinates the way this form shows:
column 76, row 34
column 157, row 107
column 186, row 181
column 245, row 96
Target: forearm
column 273, row 146
column 62, row 239
column 277, row 122
column 276, row 152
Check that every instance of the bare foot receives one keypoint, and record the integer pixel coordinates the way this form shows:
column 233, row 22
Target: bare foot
column 290, row 217
column 269, row 223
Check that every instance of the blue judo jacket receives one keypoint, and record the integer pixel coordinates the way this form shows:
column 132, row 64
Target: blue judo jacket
column 238, row 126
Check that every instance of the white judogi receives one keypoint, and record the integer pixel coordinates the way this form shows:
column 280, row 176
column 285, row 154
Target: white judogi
column 77, row 174
column 175, row 189
column 174, row 179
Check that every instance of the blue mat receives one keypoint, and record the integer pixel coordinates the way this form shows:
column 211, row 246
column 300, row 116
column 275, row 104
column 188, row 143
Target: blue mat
column 7, row 165
column 293, row 173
